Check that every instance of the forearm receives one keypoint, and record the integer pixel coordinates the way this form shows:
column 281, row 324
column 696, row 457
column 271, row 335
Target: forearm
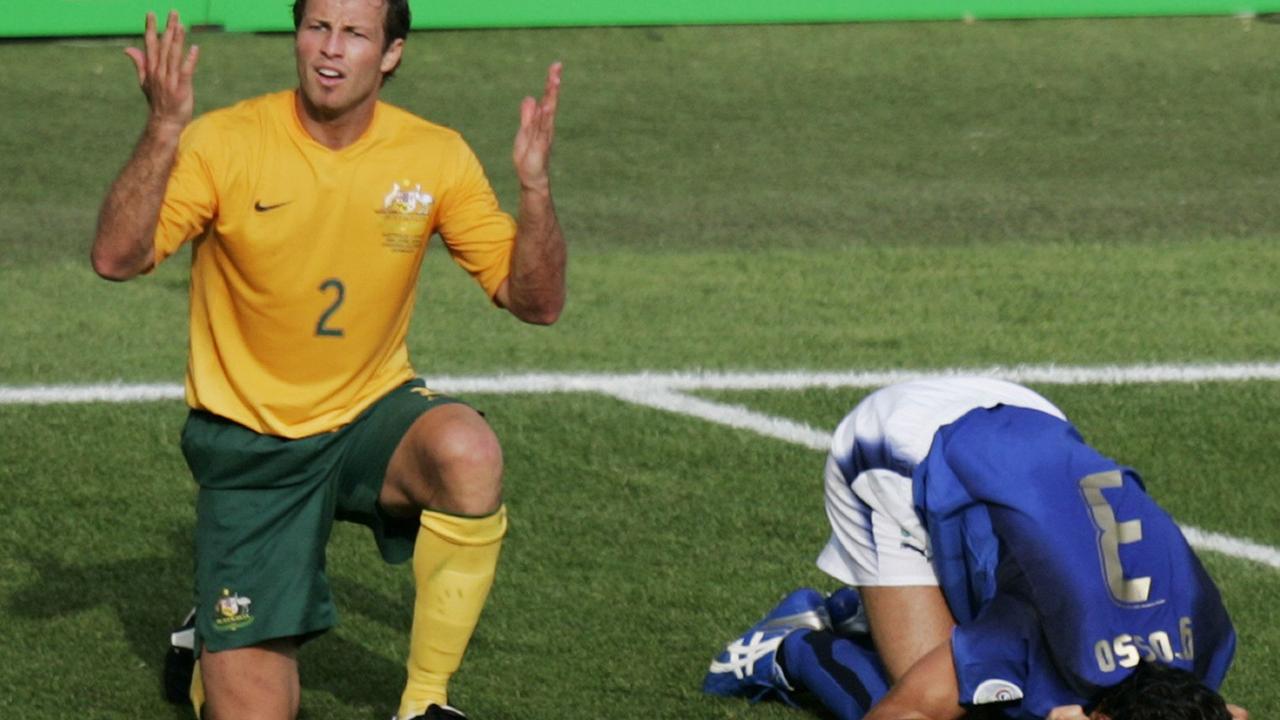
column 928, row 691
column 933, row 697
column 536, row 286
column 124, row 244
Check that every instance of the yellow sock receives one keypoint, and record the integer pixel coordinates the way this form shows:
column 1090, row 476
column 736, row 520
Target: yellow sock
column 197, row 690
column 454, row 560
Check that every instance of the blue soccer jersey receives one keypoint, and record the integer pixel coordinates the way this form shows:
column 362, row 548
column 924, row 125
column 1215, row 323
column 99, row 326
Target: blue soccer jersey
column 1061, row 572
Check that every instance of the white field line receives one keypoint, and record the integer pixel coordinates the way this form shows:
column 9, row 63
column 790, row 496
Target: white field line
column 734, row 416
column 1235, row 547
column 662, row 391
column 650, row 382
column 103, row 393
column 740, row 417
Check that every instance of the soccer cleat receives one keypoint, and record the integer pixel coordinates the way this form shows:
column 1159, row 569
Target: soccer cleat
column 180, row 662
column 439, row 712
column 748, row 666
column 847, row 613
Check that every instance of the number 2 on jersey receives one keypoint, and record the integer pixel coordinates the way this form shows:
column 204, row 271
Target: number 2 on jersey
column 322, row 325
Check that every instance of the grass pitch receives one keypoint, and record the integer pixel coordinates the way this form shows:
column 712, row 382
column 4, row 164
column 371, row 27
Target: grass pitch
column 745, row 198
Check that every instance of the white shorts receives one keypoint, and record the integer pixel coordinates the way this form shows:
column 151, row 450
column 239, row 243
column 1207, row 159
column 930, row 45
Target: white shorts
column 876, row 537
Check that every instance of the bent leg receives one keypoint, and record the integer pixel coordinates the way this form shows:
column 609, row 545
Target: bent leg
column 844, row 674
column 260, row 556
column 252, row 683
column 448, row 461
column 448, row 468
column 906, row 623
column 879, row 545
column 453, row 567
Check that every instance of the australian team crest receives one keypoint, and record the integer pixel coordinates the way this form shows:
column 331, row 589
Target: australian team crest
column 405, row 200
column 231, row 612
column 405, row 212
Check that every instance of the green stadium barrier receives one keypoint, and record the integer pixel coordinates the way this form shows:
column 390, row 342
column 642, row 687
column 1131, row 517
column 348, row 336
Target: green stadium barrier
column 53, row 18
column 24, row 18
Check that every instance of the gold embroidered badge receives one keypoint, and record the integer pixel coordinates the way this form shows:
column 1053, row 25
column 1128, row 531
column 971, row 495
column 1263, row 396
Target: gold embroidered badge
column 405, row 212
column 231, row 612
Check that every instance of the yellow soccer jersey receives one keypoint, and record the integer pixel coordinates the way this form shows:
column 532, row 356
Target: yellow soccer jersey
column 306, row 259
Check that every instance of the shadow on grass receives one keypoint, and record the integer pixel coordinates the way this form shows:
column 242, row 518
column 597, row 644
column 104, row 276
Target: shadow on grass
column 150, row 596
column 349, row 671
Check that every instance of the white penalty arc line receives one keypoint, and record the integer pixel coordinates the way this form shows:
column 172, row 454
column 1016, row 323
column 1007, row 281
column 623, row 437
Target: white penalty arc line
column 742, row 418
column 734, row 416
column 120, row 392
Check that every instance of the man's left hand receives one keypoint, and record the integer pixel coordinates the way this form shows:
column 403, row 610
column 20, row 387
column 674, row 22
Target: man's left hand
column 532, row 153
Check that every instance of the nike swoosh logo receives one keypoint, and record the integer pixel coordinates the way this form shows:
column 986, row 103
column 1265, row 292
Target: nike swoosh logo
column 912, row 546
column 264, row 208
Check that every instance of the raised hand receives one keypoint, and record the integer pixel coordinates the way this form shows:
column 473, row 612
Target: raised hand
column 165, row 71
column 532, row 153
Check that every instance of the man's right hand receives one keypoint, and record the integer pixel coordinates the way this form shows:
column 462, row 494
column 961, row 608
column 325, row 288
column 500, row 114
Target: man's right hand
column 124, row 244
column 165, row 71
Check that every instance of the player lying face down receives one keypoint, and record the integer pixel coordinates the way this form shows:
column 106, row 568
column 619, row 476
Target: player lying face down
column 1000, row 564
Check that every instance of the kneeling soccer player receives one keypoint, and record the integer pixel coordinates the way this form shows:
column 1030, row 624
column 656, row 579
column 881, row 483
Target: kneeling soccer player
column 999, row 563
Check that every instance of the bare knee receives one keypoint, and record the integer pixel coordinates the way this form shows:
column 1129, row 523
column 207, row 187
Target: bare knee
column 469, row 461
column 449, row 460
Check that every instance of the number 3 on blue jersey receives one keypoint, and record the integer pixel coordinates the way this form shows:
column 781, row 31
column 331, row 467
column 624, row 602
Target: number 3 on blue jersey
column 1111, row 535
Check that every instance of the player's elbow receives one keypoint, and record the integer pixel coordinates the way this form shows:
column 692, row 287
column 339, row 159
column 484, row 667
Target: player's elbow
column 533, row 303
column 114, row 267
column 541, row 307
column 541, row 314
column 108, row 269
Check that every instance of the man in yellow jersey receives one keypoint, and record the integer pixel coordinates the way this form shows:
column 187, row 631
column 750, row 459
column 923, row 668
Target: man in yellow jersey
column 309, row 212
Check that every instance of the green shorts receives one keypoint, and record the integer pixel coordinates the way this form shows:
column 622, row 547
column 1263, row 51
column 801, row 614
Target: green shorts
column 266, row 506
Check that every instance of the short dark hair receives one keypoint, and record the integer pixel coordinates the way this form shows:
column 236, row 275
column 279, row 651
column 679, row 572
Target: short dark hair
column 395, row 25
column 1162, row 692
